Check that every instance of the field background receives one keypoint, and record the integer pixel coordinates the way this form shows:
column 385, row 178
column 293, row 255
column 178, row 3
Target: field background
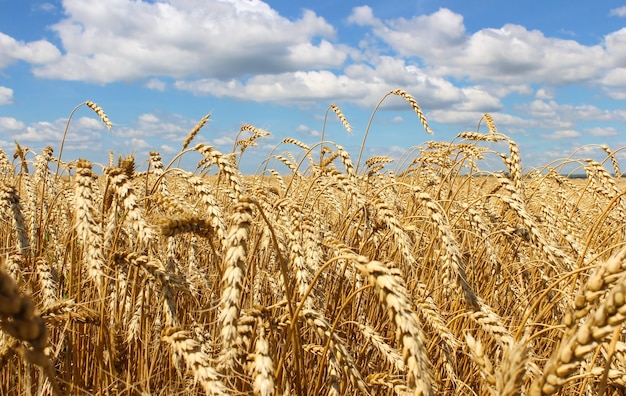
column 348, row 275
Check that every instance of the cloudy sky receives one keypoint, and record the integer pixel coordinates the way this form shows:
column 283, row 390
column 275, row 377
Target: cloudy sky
column 551, row 73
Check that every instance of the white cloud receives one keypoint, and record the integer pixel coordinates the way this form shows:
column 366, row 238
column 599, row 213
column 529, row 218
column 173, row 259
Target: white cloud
column 82, row 131
column 544, row 94
column 555, row 115
column 510, row 54
column 35, row 52
column 6, row 95
column 615, row 44
column 603, row 132
column 10, row 124
column 129, row 40
column 542, row 110
column 362, row 84
column 88, row 123
column 44, row 7
column 362, row 16
column 620, row 12
column 138, row 144
column 469, row 119
column 156, row 84
column 171, row 127
column 615, row 78
column 305, row 131
column 148, row 118
column 562, row 135
column 168, row 149
column 223, row 141
column 425, row 35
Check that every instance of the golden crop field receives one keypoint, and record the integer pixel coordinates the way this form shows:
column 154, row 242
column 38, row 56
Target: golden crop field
column 341, row 278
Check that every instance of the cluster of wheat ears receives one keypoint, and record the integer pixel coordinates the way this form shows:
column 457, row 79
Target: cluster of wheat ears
column 425, row 277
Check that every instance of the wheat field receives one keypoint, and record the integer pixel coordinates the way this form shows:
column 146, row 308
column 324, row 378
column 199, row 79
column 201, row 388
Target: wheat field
column 323, row 274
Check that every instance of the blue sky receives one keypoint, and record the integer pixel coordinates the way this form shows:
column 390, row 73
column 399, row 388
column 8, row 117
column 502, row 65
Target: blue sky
column 551, row 73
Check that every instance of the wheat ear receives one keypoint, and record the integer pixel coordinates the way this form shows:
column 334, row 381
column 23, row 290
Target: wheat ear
column 578, row 341
column 232, row 283
column 98, row 110
column 263, row 365
column 19, row 319
column 341, row 117
column 614, row 162
column 192, row 134
column 10, row 204
column 416, row 107
column 393, row 295
column 183, row 345
column 88, row 229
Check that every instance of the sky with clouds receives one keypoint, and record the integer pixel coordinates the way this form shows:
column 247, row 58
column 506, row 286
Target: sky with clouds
column 551, row 73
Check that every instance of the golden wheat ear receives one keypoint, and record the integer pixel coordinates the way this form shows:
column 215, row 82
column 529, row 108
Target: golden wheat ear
column 341, row 117
column 416, row 107
column 19, row 319
column 194, row 131
column 98, row 110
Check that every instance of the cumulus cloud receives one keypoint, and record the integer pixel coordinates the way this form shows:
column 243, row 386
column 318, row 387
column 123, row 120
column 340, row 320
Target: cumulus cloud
column 468, row 119
column 84, row 133
column 556, row 115
column 616, row 53
column 10, row 124
column 511, row 53
column 34, row 52
column 168, row 149
column 562, row 135
column 171, row 127
column 156, row 84
column 603, row 131
column 246, row 50
column 6, row 95
column 363, row 84
column 544, row 94
column 87, row 134
column 129, row 40
column 44, row 7
column 440, row 31
column 619, row 12
column 307, row 132
column 615, row 78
